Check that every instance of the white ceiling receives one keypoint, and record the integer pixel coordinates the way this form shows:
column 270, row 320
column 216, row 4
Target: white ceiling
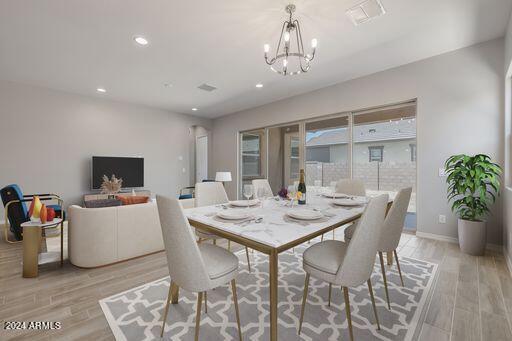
column 78, row 46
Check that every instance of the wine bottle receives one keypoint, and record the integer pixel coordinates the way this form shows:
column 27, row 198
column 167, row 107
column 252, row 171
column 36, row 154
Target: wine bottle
column 302, row 188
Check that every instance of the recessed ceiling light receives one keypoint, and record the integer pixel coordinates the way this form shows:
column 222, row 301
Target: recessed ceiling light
column 194, row 109
column 102, row 90
column 259, row 85
column 168, row 85
column 141, row 40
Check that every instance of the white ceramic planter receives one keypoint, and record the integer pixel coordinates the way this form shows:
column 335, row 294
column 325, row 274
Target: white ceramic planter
column 472, row 236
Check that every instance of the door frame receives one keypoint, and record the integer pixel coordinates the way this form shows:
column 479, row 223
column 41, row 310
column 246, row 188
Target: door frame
column 195, row 161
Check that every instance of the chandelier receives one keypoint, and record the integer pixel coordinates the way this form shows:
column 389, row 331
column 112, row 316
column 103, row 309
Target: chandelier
column 290, row 58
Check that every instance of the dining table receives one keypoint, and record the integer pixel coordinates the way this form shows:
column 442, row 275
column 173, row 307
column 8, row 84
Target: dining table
column 270, row 229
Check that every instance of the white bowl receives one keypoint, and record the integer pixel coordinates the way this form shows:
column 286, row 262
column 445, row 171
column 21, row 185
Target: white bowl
column 233, row 214
column 335, row 195
column 304, row 214
column 355, row 201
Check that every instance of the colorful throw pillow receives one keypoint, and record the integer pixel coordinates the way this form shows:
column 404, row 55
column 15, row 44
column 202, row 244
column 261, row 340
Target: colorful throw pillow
column 133, row 199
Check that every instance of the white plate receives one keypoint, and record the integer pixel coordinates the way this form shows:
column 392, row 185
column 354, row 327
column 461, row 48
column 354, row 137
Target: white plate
column 233, row 214
column 245, row 203
column 305, row 214
column 356, row 201
column 334, row 195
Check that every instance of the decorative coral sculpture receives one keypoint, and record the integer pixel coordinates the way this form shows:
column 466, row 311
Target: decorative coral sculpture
column 111, row 186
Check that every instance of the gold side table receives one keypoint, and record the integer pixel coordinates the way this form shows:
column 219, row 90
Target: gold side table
column 32, row 236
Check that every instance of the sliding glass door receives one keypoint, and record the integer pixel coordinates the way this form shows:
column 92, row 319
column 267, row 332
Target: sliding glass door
column 284, row 156
column 384, row 152
column 377, row 146
column 327, row 151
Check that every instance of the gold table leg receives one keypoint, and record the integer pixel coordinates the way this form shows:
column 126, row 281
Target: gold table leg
column 390, row 257
column 175, row 293
column 62, row 243
column 31, row 244
column 273, row 272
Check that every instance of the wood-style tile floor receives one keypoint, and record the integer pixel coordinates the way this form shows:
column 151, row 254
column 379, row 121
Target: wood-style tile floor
column 472, row 299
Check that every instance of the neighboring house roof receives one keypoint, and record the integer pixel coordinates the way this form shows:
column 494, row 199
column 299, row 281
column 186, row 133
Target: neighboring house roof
column 373, row 132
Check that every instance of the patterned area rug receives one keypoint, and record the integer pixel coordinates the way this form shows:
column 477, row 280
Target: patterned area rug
column 136, row 314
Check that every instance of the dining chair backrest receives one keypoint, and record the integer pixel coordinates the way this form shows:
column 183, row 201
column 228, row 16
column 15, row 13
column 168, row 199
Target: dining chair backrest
column 351, row 187
column 359, row 258
column 210, row 193
column 186, row 265
column 262, row 188
column 394, row 222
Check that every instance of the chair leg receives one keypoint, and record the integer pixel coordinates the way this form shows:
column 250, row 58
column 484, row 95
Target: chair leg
column 370, row 289
column 304, row 297
column 215, row 242
column 322, row 239
column 206, row 302
column 248, row 260
column 199, row 240
column 198, row 314
column 229, row 245
column 6, row 234
column 237, row 312
column 347, row 311
column 398, row 266
column 333, row 236
column 329, row 299
column 166, row 310
column 383, row 268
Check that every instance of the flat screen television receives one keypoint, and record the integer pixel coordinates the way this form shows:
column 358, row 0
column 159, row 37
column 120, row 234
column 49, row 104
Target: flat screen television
column 130, row 169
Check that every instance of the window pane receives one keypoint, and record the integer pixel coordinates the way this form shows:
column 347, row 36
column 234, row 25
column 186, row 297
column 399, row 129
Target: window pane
column 284, row 159
column 327, row 151
column 251, row 165
column 252, row 156
column 384, row 152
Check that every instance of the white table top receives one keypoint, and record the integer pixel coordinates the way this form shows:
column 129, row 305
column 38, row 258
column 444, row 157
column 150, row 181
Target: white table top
column 54, row 222
column 276, row 228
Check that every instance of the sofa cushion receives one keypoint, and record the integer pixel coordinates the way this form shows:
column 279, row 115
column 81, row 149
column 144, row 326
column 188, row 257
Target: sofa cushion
column 133, row 199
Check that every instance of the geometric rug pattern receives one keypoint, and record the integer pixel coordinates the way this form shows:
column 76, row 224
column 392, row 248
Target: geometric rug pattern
column 136, row 314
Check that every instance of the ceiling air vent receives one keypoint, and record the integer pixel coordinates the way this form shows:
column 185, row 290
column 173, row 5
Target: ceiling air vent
column 207, row 87
column 365, row 11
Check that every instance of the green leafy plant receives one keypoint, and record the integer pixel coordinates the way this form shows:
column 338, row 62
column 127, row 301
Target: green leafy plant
column 473, row 184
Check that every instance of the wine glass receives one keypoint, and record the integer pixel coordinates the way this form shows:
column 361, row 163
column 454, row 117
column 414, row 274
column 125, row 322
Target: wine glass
column 262, row 195
column 292, row 192
column 332, row 188
column 248, row 191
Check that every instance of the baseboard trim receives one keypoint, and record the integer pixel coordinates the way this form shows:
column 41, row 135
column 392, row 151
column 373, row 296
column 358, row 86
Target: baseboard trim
column 453, row 240
column 507, row 259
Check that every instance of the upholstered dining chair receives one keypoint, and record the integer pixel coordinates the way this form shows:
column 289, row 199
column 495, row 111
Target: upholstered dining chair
column 348, row 265
column 262, row 186
column 353, row 187
column 391, row 233
column 193, row 267
column 213, row 193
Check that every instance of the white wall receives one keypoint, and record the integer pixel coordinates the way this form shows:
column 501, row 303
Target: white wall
column 460, row 96
column 47, row 139
column 507, row 143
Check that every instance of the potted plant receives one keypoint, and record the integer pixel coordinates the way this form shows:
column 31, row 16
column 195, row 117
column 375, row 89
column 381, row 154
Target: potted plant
column 473, row 183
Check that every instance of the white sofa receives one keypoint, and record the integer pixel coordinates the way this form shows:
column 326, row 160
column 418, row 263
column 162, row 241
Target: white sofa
column 102, row 236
